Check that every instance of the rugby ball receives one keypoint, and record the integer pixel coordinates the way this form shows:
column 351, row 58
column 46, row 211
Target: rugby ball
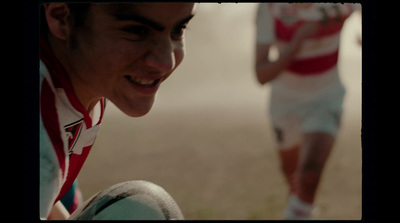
column 131, row 200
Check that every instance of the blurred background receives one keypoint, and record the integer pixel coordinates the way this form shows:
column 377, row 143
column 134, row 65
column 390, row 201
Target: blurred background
column 208, row 140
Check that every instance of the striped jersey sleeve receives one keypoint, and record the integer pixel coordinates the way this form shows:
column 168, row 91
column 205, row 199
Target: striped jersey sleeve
column 67, row 130
column 51, row 159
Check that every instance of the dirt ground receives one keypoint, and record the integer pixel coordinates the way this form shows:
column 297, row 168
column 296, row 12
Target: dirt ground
column 208, row 139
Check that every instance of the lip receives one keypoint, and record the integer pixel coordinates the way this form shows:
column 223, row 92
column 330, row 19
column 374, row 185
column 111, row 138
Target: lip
column 145, row 89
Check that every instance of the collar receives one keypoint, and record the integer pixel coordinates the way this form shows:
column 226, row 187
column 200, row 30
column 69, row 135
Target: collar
column 60, row 79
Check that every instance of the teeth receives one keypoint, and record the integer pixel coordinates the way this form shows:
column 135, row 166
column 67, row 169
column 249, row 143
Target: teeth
column 141, row 81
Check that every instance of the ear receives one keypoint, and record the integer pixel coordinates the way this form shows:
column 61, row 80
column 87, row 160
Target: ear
column 57, row 15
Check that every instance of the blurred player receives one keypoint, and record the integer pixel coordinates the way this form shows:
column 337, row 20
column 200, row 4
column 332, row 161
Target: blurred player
column 306, row 92
column 90, row 52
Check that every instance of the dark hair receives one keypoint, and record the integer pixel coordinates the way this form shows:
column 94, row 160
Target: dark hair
column 78, row 10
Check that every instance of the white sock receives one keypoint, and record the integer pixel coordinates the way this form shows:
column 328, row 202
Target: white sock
column 297, row 209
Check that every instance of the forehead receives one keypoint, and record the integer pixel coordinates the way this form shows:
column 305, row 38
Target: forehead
column 162, row 12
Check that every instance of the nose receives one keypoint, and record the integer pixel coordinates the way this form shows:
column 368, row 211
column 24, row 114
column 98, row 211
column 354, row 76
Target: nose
column 161, row 56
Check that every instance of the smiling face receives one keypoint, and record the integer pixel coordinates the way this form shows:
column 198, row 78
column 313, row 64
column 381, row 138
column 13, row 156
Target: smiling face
column 125, row 51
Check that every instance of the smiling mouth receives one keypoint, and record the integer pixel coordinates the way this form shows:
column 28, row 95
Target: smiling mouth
column 142, row 82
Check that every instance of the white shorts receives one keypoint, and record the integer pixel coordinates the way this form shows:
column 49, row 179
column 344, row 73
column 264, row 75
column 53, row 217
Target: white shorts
column 292, row 116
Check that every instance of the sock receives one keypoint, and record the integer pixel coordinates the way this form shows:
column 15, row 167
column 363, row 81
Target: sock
column 297, row 209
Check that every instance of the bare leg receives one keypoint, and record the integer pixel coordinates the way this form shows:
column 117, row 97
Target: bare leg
column 312, row 155
column 289, row 161
column 314, row 152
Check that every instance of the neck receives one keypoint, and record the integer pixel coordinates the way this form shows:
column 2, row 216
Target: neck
column 82, row 91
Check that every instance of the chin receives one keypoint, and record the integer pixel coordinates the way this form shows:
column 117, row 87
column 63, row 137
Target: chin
column 136, row 113
column 135, row 109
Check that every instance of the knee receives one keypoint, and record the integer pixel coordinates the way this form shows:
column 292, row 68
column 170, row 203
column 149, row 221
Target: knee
column 310, row 173
column 311, row 167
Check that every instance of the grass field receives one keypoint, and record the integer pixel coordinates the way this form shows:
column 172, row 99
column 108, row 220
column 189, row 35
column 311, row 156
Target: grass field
column 208, row 139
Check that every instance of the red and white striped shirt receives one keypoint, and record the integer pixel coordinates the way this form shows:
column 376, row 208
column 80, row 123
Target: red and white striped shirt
column 67, row 131
column 314, row 68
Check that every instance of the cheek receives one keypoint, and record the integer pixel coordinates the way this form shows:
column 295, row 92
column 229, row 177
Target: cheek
column 179, row 54
column 115, row 61
column 180, row 51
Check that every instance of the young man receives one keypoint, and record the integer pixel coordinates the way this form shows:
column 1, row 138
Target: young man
column 90, row 52
column 306, row 93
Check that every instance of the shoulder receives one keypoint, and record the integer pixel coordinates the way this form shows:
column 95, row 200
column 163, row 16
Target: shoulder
column 265, row 25
column 51, row 176
column 52, row 146
column 43, row 71
column 263, row 11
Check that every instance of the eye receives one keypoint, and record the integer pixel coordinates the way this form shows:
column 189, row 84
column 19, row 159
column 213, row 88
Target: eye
column 139, row 31
column 178, row 32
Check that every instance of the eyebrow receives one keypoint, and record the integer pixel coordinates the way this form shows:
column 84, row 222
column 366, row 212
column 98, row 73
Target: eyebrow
column 146, row 21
